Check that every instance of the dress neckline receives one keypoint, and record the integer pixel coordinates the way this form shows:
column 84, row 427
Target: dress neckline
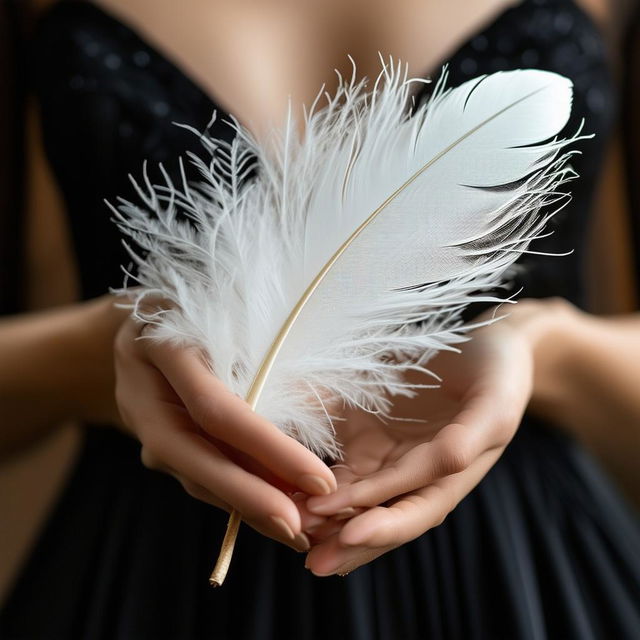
column 147, row 43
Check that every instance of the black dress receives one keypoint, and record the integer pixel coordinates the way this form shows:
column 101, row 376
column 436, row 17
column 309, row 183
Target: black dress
column 543, row 548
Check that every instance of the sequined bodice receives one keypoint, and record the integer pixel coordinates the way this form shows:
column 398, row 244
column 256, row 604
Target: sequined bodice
column 108, row 101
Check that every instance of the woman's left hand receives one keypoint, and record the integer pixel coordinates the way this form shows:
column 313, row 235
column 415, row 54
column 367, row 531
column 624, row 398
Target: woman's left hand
column 399, row 479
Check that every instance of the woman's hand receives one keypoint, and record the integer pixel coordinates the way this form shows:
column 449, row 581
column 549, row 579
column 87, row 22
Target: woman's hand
column 400, row 479
column 191, row 426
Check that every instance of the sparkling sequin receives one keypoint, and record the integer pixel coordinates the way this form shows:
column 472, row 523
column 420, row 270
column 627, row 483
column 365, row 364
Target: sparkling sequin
column 505, row 45
column 567, row 56
column 595, row 100
column 480, row 43
column 160, row 108
column 141, row 58
column 92, row 48
column 499, row 64
column 582, row 82
column 563, row 22
column 468, row 66
column 112, row 61
column 529, row 58
column 542, row 25
column 591, row 44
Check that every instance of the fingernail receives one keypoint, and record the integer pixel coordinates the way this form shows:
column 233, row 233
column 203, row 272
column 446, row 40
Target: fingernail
column 283, row 526
column 320, row 575
column 314, row 485
column 345, row 513
column 301, row 542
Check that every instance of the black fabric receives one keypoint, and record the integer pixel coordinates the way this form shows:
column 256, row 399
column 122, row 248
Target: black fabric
column 542, row 549
column 13, row 27
column 631, row 130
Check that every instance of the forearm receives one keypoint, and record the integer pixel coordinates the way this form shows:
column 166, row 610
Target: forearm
column 588, row 382
column 55, row 365
column 588, row 371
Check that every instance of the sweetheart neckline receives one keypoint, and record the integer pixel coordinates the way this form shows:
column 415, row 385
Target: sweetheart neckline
column 224, row 114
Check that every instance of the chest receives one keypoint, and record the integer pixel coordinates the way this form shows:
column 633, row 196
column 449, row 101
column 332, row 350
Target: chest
column 253, row 56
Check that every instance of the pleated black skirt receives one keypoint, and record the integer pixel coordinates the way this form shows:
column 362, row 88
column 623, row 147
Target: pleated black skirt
column 543, row 549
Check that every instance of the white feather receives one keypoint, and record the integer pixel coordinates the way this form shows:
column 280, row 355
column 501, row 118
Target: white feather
column 396, row 220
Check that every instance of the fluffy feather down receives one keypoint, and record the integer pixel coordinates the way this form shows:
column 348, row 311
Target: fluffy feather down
column 377, row 227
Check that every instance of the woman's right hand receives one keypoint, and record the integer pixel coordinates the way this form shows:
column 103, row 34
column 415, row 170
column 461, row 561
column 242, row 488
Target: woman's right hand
column 192, row 427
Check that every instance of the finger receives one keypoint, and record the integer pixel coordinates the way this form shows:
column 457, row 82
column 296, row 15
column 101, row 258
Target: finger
column 381, row 529
column 300, row 543
column 331, row 557
column 226, row 417
column 272, row 530
column 413, row 514
column 344, row 474
column 193, row 457
column 320, row 527
column 250, row 464
column 200, row 493
column 481, row 426
column 331, row 525
column 193, row 489
column 309, row 521
column 345, row 477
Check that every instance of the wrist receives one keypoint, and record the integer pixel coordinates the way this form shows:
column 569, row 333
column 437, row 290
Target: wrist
column 557, row 334
column 91, row 334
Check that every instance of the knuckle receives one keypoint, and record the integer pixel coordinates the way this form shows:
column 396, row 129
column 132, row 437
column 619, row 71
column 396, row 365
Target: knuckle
column 124, row 342
column 440, row 518
column 150, row 459
column 194, row 490
column 558, row 303
column 455, row 457
column 505, row 426
column 448, row 503
column 120, row 343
